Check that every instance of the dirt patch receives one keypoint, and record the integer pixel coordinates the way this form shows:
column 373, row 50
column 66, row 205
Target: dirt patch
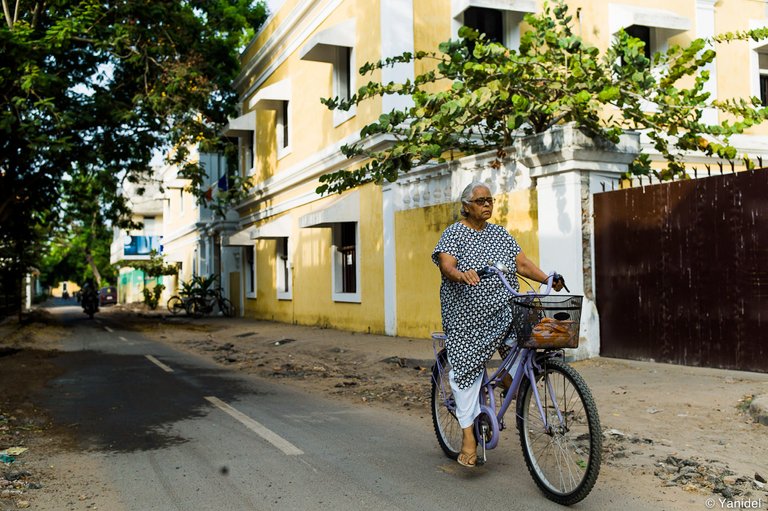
column 48, row 473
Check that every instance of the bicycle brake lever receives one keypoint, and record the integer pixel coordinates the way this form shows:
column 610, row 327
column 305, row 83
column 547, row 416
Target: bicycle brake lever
column 559, row 278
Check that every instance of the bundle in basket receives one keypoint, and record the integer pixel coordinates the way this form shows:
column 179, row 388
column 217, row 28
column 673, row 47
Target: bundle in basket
column 547, row 322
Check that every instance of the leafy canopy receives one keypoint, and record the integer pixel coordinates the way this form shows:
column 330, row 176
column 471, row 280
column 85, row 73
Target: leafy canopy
column 89, row 90
column 489, row 95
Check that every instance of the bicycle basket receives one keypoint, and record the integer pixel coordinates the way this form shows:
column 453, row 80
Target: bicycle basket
column 547, row 322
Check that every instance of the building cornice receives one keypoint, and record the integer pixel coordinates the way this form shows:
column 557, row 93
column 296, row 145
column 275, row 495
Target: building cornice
column 286, row 40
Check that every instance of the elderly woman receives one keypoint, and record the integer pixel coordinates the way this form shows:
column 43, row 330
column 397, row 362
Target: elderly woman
column 475, row 312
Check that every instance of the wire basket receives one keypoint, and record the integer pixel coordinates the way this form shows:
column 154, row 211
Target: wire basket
column 547, row 322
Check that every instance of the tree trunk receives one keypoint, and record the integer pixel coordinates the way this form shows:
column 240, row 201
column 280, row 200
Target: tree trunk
column 94, row 269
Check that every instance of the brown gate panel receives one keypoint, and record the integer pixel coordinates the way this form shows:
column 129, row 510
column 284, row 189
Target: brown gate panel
column 682, row 271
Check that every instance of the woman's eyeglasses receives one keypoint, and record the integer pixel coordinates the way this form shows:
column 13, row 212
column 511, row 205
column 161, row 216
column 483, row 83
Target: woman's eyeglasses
column 483, row 200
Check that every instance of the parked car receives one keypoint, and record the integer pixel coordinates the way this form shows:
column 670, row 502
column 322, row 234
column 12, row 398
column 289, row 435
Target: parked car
column 108, row 295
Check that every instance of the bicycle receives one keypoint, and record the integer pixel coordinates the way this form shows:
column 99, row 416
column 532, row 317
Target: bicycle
column 197, row 298
column 556, row 416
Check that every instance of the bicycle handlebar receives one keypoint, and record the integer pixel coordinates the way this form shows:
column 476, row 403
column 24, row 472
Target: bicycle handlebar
column 491, row 269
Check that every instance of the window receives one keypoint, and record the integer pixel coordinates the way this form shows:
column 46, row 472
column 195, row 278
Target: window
column 335, row 46
column 283, row 270
column 346, row 262
column 486, row 21
column 283, row 128
column 642, row 33
column 347, row 250
column 343, row 72
column 247, row 151
column 250, row 271
column 655, row 27
column 763, row 63
column 499, row 20
column 150, row 225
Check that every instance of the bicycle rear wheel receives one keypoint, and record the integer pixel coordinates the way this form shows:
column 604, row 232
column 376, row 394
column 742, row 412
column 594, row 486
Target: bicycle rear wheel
column 444, row 419
column 563, row 455
column 175, row 305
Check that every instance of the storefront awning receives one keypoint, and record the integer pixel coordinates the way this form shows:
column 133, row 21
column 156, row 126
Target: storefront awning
column 342, row 209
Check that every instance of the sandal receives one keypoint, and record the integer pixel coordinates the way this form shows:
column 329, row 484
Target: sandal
column 467, row 459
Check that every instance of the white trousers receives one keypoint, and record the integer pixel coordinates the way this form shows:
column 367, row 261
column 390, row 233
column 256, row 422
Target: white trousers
column 467, row 400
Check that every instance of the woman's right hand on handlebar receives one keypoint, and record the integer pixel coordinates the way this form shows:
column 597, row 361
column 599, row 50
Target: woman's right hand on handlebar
column 469, row 277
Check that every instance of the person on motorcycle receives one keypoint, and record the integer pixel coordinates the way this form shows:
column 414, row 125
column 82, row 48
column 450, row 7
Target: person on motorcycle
column 90, row 298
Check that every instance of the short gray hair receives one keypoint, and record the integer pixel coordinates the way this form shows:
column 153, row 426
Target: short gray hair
column 466, row 195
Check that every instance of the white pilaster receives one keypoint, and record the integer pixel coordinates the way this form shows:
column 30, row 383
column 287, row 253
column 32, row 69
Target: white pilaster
column 568, row 167
column 390, row 262
column 705, row 28
column 396, row 39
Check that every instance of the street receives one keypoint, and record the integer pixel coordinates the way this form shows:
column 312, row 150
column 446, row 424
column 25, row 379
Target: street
column 174, row 432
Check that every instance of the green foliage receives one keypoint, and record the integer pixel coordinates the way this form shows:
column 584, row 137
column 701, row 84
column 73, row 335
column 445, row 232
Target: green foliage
column 153, row 267
column 90, row 90
column 497, row 95
column 152, row 296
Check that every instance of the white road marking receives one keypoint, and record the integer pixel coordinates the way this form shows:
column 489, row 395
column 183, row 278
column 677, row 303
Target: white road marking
column 108, row 329
column 258, row 428
column 159, row 364
column 123, row 339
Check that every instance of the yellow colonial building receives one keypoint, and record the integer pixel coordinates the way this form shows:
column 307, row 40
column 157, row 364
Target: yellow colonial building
column 361, row 260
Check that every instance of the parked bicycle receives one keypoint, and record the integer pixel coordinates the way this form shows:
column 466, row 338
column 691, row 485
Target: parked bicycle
column 556, row 416
column 197, row 298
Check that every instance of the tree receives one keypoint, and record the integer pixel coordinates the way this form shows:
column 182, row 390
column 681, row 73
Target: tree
column 494, row 95
column 89, row 90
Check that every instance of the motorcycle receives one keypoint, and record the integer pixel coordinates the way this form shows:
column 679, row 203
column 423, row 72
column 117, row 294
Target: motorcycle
column 90, row 302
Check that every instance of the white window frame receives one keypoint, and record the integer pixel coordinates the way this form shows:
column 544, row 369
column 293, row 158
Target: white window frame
column 280, row 277
column 248, row 153
column 250, row 273
column 283, row 117
column 343, row 78
column 757, row 48
column 337, row 265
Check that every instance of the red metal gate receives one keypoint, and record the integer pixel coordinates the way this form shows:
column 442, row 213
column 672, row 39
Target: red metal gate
column 682, row 271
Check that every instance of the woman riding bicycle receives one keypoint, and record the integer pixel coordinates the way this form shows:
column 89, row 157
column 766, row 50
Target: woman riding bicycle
column 476, row 312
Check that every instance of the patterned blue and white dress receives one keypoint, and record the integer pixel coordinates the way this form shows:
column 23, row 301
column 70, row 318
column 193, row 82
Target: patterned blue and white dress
column 475, row 318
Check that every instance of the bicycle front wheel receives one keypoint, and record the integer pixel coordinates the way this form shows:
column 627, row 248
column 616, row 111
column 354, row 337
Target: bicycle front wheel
column 226, row 308
column 196, row 307
column 175, row 305
column 562, row 450
column 444, row 419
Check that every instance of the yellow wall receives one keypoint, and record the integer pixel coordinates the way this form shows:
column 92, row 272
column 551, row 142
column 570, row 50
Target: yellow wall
column 418, row 231
column 312, row 302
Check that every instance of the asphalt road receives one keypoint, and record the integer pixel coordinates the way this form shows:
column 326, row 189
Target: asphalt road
column 176, row 432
